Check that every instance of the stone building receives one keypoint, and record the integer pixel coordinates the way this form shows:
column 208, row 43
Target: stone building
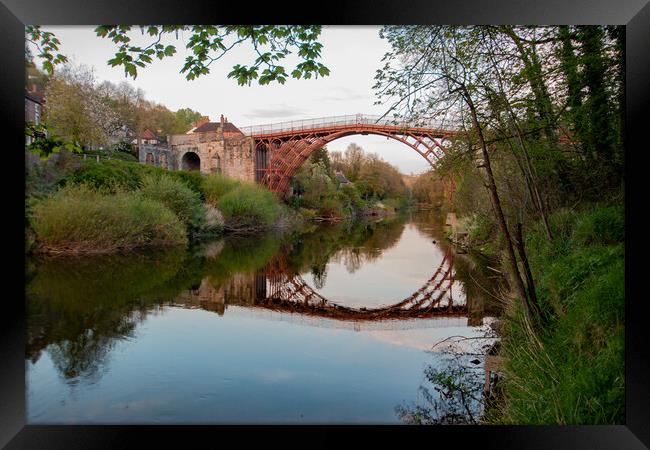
column 209, row 147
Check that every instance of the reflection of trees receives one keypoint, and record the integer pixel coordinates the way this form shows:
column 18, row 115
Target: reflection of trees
column 350, row 243
column 452, row 395
column 319, row 275
column 78, row 307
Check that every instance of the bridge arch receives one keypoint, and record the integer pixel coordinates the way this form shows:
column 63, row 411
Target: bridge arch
column 285, row 147
column 296, row 155
column 283, row 289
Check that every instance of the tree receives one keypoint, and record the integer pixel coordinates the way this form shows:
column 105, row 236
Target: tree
column 75, row 109
column 187, row 116
column 208, row 43
column 441, row 71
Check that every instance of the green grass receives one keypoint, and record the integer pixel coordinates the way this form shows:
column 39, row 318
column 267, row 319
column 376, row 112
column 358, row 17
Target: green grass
column 574, row 374
column 78, row 219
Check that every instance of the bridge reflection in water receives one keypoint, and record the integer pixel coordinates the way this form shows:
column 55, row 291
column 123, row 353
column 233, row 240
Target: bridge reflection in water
column 278, row 292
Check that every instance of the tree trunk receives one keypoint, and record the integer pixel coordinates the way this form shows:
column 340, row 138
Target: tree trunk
column 532, row 295
column 492, row 187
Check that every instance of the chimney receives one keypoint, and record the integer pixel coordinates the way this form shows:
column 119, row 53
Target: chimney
column 222, row 120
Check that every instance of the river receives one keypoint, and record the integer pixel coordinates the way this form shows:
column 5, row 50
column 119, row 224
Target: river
column 335, row 325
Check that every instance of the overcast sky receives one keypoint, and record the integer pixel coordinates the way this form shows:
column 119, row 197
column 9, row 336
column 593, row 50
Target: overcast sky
column 352, row 53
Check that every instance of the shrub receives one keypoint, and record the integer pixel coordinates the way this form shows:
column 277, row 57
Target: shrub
column 110, row 175
column 193, row 180
column 78, row 219
column 216, row 186
column 213, row 221
column 480, row 229
column 175, row 195
column 330, row 207
column 351, row 197
column 249, row 207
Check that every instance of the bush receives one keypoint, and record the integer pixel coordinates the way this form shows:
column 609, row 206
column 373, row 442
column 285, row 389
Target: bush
column 193, row 180
column 480, row 229
column 249, row 207
column 110, row 175
column 216, row 186
column 330, row 207
column 213, row 221
column 176, row 196
column 351, row 197
column 77, row 219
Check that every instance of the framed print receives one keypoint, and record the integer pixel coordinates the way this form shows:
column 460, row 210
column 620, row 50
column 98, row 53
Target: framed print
column 383, row 221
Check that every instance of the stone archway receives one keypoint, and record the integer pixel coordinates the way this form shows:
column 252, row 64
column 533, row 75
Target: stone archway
column 191, row 161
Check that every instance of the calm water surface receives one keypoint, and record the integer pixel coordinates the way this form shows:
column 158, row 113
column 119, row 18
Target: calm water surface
column 333, row 326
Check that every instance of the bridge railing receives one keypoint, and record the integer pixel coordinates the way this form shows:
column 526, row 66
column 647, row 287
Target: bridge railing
column 325, row 122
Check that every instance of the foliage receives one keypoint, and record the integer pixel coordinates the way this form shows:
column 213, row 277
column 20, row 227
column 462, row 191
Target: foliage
column 176, row 196
column 212, row 221
column 457, row 397
column 48, row 46
column 480, row 229
column 209, row 43
column 249, row 207
column 216, row 185
column 194, row 180
column 76, row 110
column 428, row 189
column 45, row 143
column 80, row 220
column 109, row 175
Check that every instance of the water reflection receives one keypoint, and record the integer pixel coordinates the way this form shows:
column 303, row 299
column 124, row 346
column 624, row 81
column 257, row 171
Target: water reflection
column 81, row 309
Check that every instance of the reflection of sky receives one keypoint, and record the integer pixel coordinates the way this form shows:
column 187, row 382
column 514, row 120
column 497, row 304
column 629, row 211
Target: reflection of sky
column 193, row 366
column 400, row 271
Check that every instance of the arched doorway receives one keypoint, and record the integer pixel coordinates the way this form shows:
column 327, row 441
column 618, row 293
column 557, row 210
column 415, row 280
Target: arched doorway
column 190, row 161
column 149, row 159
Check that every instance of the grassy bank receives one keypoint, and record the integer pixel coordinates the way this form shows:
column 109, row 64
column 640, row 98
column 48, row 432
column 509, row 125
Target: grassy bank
column 85, row 206
column 574, row 372
column 78, row 219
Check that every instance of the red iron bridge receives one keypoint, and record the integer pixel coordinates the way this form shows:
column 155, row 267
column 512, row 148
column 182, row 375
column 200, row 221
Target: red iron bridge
column 281, row 148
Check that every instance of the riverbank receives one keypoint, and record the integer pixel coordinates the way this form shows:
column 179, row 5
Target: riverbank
column 573, row 371
column 76, row 206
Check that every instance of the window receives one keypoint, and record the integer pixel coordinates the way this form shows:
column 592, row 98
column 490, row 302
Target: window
column 216, row 163
column 149, row 159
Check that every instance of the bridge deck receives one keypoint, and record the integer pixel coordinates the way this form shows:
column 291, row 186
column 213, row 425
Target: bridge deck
column 357, row 122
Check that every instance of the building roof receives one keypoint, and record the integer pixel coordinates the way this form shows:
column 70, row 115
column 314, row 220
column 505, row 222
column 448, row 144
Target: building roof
column 214, row 126
column 36, row 97
column 342, row 178
column 148, row 134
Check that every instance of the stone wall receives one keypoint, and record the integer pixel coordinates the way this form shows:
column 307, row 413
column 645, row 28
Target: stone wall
column 231, row 155
column 157, row 155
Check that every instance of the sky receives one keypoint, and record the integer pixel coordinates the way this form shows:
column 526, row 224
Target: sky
column 352, row 53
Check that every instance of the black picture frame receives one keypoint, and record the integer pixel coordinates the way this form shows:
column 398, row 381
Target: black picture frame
column 14, row 14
